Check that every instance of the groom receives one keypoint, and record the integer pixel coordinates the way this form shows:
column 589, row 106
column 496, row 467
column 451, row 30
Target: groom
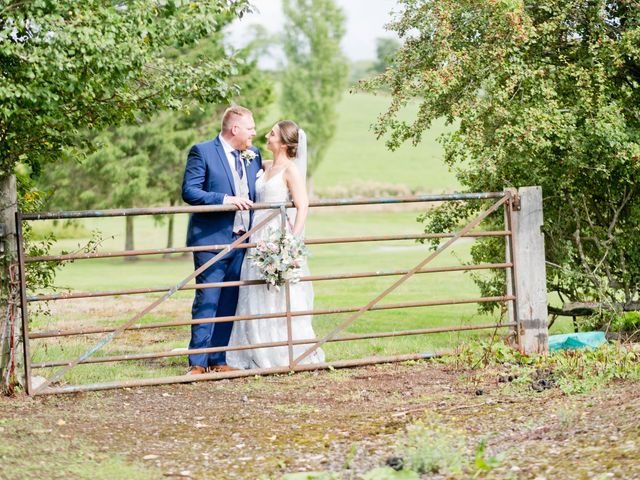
column 217, row 172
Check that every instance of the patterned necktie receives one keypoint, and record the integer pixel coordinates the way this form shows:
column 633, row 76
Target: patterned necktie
column 236, row 155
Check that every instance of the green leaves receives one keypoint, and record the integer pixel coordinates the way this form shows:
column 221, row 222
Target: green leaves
column 67, row 66
column 545, row 93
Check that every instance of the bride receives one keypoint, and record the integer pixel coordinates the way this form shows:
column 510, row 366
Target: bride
column 283, row 180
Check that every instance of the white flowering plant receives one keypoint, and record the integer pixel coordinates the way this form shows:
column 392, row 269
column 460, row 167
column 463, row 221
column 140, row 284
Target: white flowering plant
column 248, row 156
column 279, row 257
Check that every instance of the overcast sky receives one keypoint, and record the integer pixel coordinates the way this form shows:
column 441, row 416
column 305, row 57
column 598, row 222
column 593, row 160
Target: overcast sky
column 365, row 23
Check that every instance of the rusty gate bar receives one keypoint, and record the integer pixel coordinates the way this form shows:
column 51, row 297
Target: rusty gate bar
column 295, row 313
column 23, row 307
column 474, row 223
column 237, row 283
column 513, row 278
column 157, row 302
column 125, row 212
column 287, row 290
column 345, row 338
column 206, row 248
column 243, row 373
column 505, row 198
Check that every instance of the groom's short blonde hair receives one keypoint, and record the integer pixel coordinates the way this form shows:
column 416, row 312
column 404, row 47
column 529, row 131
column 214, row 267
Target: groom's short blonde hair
column 231, row 114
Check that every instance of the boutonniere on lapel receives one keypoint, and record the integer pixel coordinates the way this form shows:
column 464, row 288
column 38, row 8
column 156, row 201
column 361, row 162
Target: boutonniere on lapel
column 248, row 156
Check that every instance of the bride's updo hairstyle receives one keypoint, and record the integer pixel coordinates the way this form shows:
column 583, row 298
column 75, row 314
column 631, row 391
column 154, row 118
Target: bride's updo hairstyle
column 289, row 137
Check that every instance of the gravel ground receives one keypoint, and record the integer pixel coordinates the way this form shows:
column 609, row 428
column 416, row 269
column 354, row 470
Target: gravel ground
column 345, row 421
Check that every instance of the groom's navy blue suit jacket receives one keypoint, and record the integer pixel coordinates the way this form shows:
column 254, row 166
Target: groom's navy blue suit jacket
column 207, row 179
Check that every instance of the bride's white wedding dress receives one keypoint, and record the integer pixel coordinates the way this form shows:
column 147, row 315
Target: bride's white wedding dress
column 258, row 299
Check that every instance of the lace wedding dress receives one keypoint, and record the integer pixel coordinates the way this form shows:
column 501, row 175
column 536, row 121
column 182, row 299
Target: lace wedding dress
column 257, row 299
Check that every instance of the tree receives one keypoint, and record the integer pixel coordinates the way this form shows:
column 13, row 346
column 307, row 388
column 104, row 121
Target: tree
column 72, row 65
column 546, row 93
column 386, row 49
column 141, row 164
column 316, row 72
column 68, row 66
column 115, row 175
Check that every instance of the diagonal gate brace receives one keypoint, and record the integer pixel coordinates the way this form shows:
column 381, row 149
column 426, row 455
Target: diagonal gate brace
column 331, row 335
column 106, row 339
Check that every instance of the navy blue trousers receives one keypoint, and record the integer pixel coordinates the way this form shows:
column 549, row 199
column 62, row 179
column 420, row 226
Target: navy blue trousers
column 214, row 302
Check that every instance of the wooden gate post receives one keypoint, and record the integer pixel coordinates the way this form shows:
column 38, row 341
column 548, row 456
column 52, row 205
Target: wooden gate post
column 8, row 255
column 530, row 281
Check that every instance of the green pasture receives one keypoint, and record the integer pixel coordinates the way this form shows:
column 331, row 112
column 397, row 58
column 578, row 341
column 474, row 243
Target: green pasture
column 356, row 157
column 356, row 163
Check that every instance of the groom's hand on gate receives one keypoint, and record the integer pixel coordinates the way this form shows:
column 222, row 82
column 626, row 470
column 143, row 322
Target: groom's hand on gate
column 241, row 203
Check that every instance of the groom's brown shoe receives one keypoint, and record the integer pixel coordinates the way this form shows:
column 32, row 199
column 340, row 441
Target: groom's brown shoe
column 222, row 368
column 196, row 370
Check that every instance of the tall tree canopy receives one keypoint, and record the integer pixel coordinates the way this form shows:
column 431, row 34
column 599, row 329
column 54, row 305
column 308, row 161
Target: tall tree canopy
column 141, row 164
column 316, row 71
column 546, row 92
column 69, row 65
column 386, row 49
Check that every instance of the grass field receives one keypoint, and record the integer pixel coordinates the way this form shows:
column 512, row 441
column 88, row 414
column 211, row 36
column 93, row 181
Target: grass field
column 357, row 162
column 356, row 155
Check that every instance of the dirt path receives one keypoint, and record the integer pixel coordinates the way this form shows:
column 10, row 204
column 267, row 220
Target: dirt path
column 343, row 421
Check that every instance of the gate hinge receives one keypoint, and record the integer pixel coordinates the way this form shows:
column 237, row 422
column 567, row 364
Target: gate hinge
column 515, row 202
column 2, row 235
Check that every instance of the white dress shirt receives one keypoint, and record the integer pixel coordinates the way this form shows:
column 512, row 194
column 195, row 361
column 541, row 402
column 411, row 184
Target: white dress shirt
column 228, row 150
column 242, row 218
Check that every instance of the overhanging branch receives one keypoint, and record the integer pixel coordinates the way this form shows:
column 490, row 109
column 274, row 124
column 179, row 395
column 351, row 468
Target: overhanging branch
column 579, row 309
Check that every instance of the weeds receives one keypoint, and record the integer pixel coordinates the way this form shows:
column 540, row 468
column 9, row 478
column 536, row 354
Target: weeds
column 567, row 417
column 429, row 447
column 433, row 449
column 483, row 462
column 573, row 371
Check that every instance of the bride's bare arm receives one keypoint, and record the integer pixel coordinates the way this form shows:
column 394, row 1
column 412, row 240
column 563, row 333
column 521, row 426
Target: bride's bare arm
column 297, row 187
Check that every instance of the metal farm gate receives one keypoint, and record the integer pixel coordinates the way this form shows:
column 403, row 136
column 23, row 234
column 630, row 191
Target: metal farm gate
column 525, row 294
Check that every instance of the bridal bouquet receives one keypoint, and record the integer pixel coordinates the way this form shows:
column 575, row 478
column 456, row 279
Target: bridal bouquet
column 279, row 258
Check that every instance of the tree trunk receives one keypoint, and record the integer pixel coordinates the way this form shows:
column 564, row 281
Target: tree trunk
column 8, row 256
column 170, row 231
column 128, row 242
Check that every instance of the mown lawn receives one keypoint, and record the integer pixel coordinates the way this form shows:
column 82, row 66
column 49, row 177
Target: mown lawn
column 355, row 155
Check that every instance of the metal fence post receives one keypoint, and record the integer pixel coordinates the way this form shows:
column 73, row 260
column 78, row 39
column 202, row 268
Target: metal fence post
column 287, row 291
column 26, row 350
column 531, row 286
column 510, row 273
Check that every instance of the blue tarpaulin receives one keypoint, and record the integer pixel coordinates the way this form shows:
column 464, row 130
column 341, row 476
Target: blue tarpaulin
column 569, row 341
